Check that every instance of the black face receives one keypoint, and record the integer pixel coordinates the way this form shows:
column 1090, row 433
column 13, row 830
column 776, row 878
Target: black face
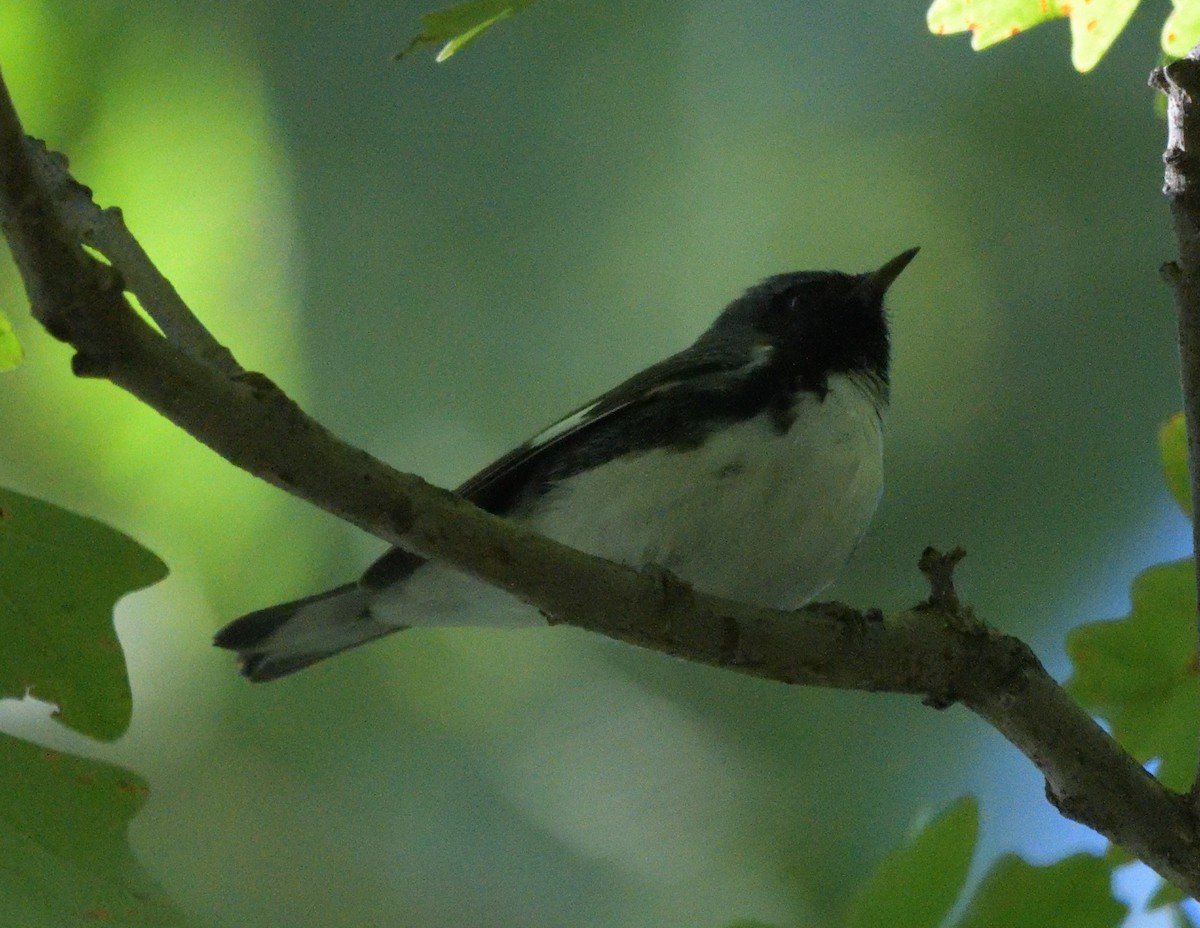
column 818, row 322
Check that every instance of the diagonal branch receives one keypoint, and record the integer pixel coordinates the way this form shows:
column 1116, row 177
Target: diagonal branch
column 937, row 650
column 1180, row 81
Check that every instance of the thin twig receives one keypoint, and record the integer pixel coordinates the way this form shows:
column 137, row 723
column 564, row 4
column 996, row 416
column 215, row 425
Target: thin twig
column 1180, row 81
column 938, row 650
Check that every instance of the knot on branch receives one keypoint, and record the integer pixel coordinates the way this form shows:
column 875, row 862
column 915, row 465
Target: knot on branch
column 1178, row 78
column 670, row 597
column 938, row 569
column 1180, row 82
column 52, row 170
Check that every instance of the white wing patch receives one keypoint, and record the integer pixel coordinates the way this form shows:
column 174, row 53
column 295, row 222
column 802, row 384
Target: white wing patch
column 563, row 426
column 760, row 356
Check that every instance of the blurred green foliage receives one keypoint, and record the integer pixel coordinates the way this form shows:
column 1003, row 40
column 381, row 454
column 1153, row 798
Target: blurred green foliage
column 60, row 576
column 1140, row 672
column 1172, row 447
column 916, row 885
column 109, row 83
column 64, row 858
column 11, row 352
column 1071, row 893
column 1166, row 894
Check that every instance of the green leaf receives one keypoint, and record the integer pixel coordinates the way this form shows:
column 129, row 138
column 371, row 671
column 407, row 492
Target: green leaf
column 60, row 576
column 456, row 27
column 1172, row 446
column 64, row 858
column 1095, row 24
column 1181, row 31
column 1140, row 672
column 916, row 884
column 1166, row 894
column 11, row 353
column 1075, row 892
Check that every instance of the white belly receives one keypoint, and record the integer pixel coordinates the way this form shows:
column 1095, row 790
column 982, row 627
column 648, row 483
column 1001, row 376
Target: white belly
column 751, row 515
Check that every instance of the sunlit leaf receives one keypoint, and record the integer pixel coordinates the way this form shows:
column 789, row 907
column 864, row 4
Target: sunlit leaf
column 1074, row 892
column 989, row 21
column 1095, row 24
column 11, row 353
column 456, row 27
column 916, row 884
column 64, row 858
column 60, row 576
column 1172, row 446
column 1181, row 31
column 1140, row 673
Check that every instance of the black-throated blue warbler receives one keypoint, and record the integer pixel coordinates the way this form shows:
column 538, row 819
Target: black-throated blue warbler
column 748, row 465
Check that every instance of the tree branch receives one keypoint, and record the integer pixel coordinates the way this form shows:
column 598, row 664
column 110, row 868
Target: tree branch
column 937, row 650
column 1180, row 81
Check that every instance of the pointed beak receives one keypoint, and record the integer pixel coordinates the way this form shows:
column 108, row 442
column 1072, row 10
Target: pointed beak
column 876, row 283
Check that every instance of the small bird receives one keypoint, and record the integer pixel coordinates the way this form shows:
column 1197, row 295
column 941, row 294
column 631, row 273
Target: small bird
column 748, row 465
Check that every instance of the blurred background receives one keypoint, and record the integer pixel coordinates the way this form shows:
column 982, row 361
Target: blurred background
column 437, row 260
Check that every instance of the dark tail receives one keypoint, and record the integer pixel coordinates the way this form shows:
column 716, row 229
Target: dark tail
column 279, row 640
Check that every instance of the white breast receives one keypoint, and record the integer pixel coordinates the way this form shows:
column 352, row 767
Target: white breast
column 752, row 515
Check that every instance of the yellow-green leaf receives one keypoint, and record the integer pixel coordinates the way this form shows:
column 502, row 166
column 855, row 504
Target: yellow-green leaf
column 11, row 354
column 456, row 27
column 1172, row 447
column 1095, row 24
column 1181, row 31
